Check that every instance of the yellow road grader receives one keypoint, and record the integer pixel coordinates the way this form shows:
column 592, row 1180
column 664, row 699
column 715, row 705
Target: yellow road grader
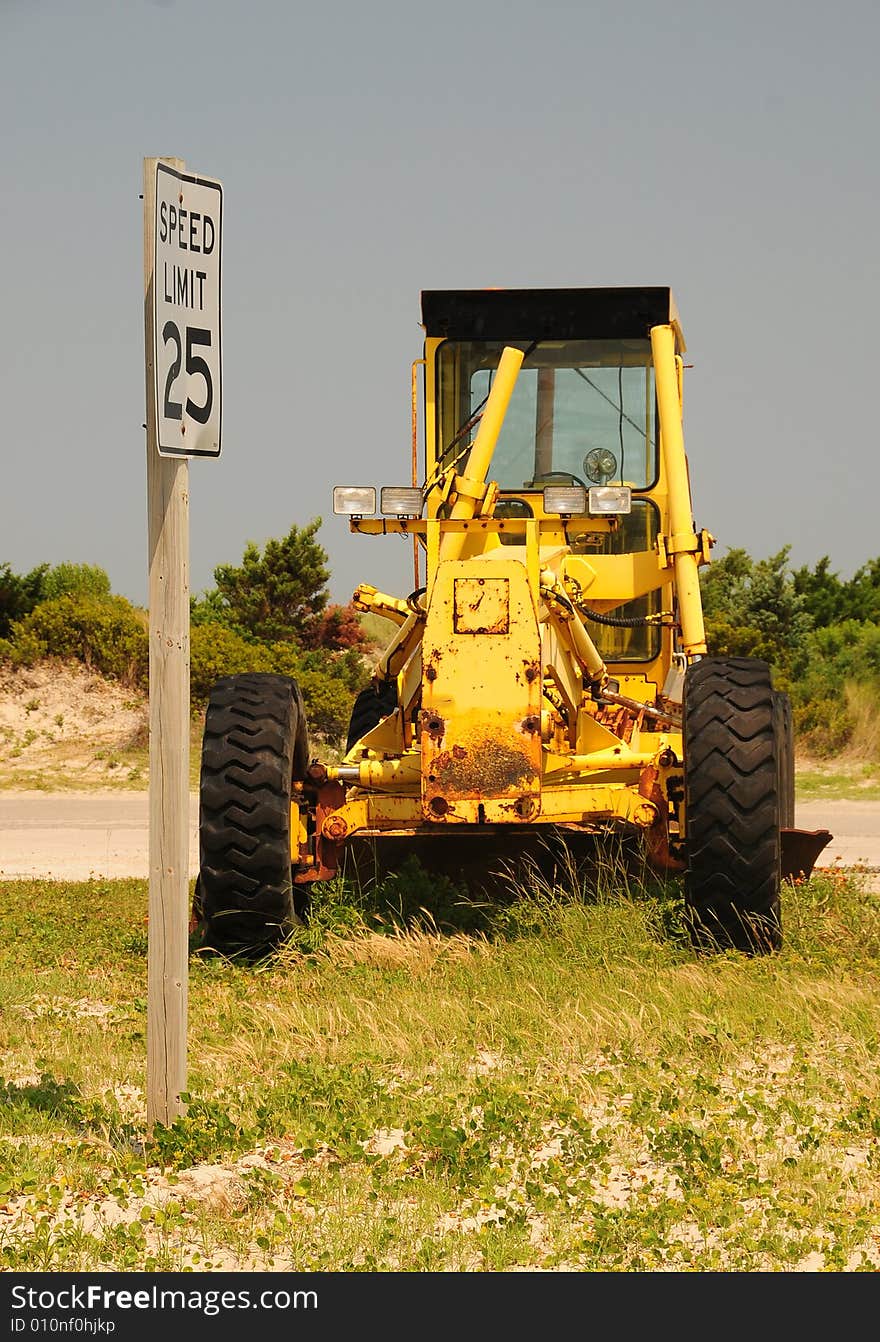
column 549, row 672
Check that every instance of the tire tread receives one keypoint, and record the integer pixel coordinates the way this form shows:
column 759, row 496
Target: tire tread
column 732, row 805
column 254, row 744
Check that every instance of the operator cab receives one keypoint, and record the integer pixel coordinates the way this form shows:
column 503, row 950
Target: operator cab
column 583, row 413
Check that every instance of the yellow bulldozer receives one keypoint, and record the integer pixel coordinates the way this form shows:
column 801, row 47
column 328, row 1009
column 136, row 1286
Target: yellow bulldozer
column 548, row 673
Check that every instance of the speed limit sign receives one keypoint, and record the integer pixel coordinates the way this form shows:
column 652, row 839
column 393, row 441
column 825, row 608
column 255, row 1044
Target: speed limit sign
column 186, row 313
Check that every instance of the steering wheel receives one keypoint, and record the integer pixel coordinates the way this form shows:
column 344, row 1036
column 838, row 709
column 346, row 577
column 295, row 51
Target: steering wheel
column 555, row 478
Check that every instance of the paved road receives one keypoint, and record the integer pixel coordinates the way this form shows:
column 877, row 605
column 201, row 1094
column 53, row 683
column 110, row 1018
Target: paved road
column 856, row 829
column 75, row 836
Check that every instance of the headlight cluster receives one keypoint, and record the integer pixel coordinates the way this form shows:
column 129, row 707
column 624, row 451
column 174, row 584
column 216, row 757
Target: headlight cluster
column 575, row 501
column 360, row 501
column 403, row 501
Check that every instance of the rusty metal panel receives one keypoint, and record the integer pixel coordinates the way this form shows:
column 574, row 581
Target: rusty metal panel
column 480, row 725
column 481, row 605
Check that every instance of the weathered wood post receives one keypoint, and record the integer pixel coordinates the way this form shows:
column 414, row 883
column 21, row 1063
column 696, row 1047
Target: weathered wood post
column 182, row 233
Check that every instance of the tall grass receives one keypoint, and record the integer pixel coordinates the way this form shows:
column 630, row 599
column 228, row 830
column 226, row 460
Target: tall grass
column 429, row 1081
column 863, row 706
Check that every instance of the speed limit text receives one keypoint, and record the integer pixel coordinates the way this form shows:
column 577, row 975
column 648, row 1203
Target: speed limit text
column 189, row 231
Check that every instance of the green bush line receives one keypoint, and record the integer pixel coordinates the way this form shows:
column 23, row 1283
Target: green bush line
column 108, row 635
column 820, row 634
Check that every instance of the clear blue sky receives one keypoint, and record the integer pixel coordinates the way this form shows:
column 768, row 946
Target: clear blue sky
column 369, row 151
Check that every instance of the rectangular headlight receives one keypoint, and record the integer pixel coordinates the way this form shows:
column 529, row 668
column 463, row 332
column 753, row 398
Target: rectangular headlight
column 400, row 502
column 570, row 499
column 354, row 500
column 610, row 499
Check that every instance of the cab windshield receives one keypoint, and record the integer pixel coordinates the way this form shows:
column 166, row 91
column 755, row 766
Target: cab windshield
column 582, row 411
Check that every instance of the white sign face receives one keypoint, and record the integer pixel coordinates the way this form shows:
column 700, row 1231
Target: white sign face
column 186, row 314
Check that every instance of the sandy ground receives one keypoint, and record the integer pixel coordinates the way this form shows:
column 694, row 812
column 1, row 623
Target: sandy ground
column 67, row 726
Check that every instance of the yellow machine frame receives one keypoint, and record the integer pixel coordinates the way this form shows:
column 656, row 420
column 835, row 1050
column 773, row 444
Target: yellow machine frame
column 506, row 713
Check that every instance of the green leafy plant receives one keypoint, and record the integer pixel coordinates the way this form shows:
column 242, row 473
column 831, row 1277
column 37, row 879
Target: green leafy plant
column 107, row 634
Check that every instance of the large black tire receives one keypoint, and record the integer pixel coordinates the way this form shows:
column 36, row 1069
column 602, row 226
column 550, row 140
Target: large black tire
column 784, row 728
column 732, row 811
column 370, row 707
column 255, row 744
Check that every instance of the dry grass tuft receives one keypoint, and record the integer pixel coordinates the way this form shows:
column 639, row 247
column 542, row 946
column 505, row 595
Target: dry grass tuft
column 864, row 710
column 414, row 950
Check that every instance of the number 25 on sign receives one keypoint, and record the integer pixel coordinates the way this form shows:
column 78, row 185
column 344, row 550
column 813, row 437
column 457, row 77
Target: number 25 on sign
column 186, row 317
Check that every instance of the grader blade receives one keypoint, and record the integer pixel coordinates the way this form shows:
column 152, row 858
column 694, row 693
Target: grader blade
column 800, row 851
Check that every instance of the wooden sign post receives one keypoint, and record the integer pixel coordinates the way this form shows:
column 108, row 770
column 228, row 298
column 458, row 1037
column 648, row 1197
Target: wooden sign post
column 182, row 234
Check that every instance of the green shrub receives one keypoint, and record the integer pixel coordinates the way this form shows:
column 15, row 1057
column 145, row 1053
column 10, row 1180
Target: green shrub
column 23, row 648
column 216, row 651
column 842, row 669
column 328, row 680
column 75, row 580
column 850, row 649
column 752, row 609
column 278, row 592
column 19, row 593
column 210, row 608
column 107, row 634
column 328, row 703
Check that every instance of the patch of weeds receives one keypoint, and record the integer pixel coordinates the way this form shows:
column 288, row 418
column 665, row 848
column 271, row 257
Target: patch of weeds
column 325, row 1105
column 627, row 1239
column 31, row 706
column 261, row 1186
column 21, row 1177
column 860, row 782
column 506, row 1244
column 48, row 1096
column 693, row 1156
column 526, row 898
column 44, row 921
column 38, row 1252
column 63, row 1101
column 135, row 944
column 127, row 1245
column 863, row 1120
column 831, row 919
column 410, row 899
column 414, row 897
column 204, row 1131
column 336, row 912
column 463, row 1144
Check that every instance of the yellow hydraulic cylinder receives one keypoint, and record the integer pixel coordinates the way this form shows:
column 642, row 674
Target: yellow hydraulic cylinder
column 367, row 597
column 399, row 650
column 401, row 772
column 681, row 523
column 483, row 447
column 569, row 627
